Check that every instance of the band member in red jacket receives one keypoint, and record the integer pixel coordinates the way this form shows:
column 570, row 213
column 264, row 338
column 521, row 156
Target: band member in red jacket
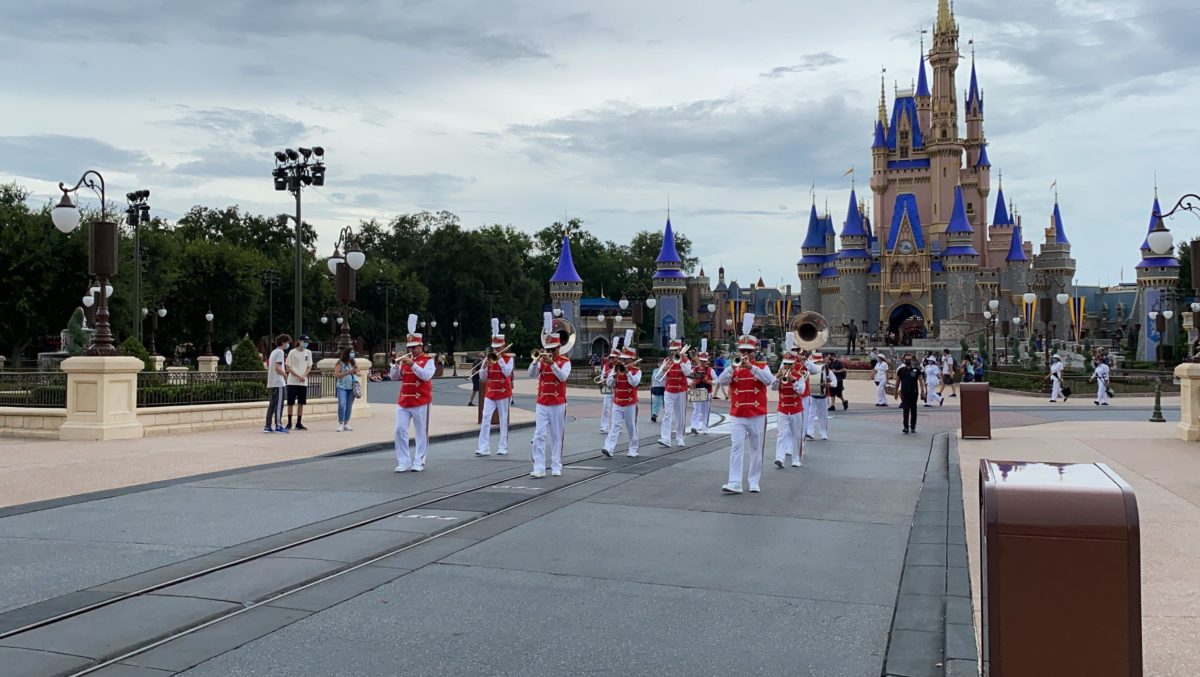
column 792, row 384
column 673, row 375
column 748, row 382
column 414, row 371
column 624, row 379
column 495, row 379
column 606, row 395
column 551, row 371
column 702, row 385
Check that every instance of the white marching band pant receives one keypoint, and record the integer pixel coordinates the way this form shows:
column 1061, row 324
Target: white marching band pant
column 746, row 440
column 700, row 413
column 818, row 419
column 808, row 414
column 606, row 411
column 674, row 417
column 419, row 416
column 623, row 417
column 549, row 430
column 789, row 439
column 485, row 427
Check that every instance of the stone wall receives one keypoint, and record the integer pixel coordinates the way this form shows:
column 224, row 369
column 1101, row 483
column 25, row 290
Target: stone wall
column 31, row 422
column 201, row 418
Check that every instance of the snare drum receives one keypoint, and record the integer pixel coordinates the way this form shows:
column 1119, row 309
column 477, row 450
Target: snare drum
column 699, row 395
column 605, row 389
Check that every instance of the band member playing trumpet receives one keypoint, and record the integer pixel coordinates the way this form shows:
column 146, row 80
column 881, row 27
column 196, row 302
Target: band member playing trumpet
column 673, row 374
column 624, row 378
column 606, row 393
column 701, row 391
column 551, row 370
column 748, row 382
column 414, row 372
column 496, row 379
column 792, row 384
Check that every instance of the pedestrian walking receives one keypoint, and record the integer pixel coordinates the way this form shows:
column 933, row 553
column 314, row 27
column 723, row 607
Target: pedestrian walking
column 933, row 378
column 299, row 365
column 908, row 380
column 624, row 378
column 838, row 369
column 1100, row 375
column 476, row 378
column 276, row 385
column 881, row 375
column 947, row 365
column 415, row 372
column 719, row 367
column 1055, row 378
column 748, row 381
column 345, row 379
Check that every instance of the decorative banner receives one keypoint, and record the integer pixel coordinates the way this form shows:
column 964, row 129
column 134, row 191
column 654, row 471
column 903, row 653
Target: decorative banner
column 788, row 317
column 1028, row 314
column 779, row 310
column 1077, row 316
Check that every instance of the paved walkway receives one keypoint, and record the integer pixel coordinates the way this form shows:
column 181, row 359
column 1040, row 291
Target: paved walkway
column 1165, row 474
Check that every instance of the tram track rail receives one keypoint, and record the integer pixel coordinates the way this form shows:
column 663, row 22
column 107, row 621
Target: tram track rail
column 584, row 463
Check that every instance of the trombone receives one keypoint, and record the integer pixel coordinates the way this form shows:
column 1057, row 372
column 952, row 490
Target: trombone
column 493, row 356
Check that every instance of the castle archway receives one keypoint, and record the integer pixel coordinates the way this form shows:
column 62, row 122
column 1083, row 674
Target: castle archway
column 905, row 323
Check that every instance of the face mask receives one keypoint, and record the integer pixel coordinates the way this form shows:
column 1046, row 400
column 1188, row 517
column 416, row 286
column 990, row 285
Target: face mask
column 304, row 344
column 286, row 346
column 353, row 355
column 908, row 363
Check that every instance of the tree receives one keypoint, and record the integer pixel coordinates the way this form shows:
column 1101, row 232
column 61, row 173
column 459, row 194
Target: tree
column 131, row 347
column 245, row 356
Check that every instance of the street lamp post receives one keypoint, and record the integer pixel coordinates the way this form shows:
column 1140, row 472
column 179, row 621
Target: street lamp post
column 102, row 253
column 993, row 319
column 634, row 296
column 161, row 312
column 712, row 308
column 208, row 320
column 386, row 288
column 270, row 278
column 344, row 268
column 294, row 170
column 1044, row 281
column 135, row 213
column 1159, row 314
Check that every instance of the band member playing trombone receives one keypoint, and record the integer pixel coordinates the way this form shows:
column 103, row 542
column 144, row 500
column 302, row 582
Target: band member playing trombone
column 495, row 376
column 551, row 370
column 673, row 373
column 748, row 382
column 624, row 378
column 414, row 372
column 792, row 384
column 701, row 391
column 606, row 365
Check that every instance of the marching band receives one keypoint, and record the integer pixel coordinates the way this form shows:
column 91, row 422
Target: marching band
column 793, row 388
column 414, row 372
column 495, row 377
column 623, row 378
column 701, row 393
column 748, row 382
column 673, row 374
column 551, row 368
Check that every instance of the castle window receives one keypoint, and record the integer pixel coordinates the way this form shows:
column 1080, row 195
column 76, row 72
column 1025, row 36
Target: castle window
column 943, row 172
column 970, row 207
column 904, row 153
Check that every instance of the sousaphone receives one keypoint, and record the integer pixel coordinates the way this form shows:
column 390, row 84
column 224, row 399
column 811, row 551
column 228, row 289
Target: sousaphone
column 566, row 334
column 812, row 330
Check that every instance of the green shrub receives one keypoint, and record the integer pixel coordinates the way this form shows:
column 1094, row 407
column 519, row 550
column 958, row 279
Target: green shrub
column 245, row 356
column 134, row 348
column 76, row 336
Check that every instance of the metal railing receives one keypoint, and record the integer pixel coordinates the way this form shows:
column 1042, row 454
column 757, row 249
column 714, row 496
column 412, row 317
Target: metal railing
column 34, row 389
column 180, row 388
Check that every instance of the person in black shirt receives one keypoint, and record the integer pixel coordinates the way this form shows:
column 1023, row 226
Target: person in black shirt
column 908, row 379
column 839, row 392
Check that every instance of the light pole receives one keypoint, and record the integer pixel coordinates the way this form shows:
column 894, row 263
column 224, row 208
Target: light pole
column 634, row 296
column 1159, row 314
column 344, row 268
column 136, row 212
column 294, row 170
column 270, row 278
column 102, row 253
column 161, row 312
column 1045, row 281
column 208, row 320
column 712, row 308
column 993, row 319
column 728, row 328
column 453, row 361
column 386, row 288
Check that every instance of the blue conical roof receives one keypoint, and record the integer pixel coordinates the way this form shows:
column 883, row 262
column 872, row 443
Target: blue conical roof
column 1016, row 252
column 1060, row 235
column 854, row 222
column 879, row 141
column 1001, row 216
column 973, row 93
column 1153, row 220
column 983, row 158
column 958, row 218
column 668, row 254
column 922, row 83
column 566, row 265
column 815, row 237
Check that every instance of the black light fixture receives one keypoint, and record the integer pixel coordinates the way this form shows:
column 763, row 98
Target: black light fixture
column 136, row 213
column 102, row 253
column 292, row 172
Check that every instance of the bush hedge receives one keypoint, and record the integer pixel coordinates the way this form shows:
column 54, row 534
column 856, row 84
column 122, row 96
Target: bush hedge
column 232, row 391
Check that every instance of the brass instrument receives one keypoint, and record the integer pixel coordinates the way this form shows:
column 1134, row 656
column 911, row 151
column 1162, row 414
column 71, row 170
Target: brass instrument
column 560, row 326
column 623, row 367
column 405, row 356
column 740, row 361
column 677, row 356
column 493, row 356
column 812, row 330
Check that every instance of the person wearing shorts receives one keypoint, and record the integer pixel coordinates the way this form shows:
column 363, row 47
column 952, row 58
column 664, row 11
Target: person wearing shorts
column 299, row 365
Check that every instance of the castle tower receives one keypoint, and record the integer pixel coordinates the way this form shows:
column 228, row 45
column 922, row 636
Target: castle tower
column 697, row 293
column 961, row 263
column 721, row 299
column 566, row 290
column 1015, row 273
column 924, row 98
column 1000, row 232
column 853, row 263
column 1154, row 274
column 811, row 263
column 1055, row 261
column 943, row 143
column 976, row 180
column 670, row 284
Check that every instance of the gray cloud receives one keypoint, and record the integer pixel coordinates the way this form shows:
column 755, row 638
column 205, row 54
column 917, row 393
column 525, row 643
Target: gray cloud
column 809, row 62
column 424, row 190
column 54, row 157
column 724, row 142
column 219, row 162
column 257, row 127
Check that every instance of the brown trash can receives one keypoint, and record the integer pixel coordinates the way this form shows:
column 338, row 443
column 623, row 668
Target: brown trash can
column 975, row 411
column 1060, row 558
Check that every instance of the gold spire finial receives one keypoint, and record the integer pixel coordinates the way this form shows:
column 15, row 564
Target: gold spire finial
column 882, row 98
column 945, row 16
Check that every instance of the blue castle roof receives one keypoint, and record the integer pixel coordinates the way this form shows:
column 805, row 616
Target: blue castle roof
column 566, row 265
column 854, row 221
column 958, row 217
column 1060, row 235
column 906, row 203
column 922, row 83
column 937, row 267
column 1153, row 219
column 815, row 238
column 1015, row 250
column 829, row 272
column 668, row 254
column 879, row 141
column 983, row 158
column 853, row 254
column 905, row 107
column 1149, row 259
column 1000, row 218
column 875, row 268
column 973, row 95
column 827, row 225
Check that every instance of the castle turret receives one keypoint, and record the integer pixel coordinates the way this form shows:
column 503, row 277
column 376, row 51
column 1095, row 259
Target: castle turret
column 812, row 261
column 943, row 142
column 1055, row 261
column 924, row 98
column 1155, row 274
column 999, row 232
column 853, row 264
column 566, row 290
column 698, row 293
column 961, row 263
column 1016, row 270
column 670, row 284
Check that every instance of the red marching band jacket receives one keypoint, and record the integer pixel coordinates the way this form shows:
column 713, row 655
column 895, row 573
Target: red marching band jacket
column 701, row 376
column 747, row 394
column 676, row 382
column 413, row 391
column 790, row 401
column 499, row 386
column 552, row 391
column 624, row 392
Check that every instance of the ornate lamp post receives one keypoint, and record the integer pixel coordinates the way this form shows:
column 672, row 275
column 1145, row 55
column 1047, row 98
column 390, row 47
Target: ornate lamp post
column 1044, row 281
column 634, row 296
column 1159, row 314
column 161, row 312
column 102, row 253
column 136, row 212
column 712, row 330
column 344, row 268
column 208, row 319
column 993, row 319
column 294, row 170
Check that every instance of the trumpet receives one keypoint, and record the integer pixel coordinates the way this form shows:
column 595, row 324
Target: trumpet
column 405, row 356
column 677, row 357
column 622, row 367
column 541, row 354
column 741, row 361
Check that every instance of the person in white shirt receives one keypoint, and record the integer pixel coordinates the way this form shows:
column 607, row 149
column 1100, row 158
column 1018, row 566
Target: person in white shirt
column 810, row 367
column 1056, row 380
column 1100, row 376
column 948, row 373
column 820, row 380
column 276, row 385
column 881, row 378
column 299, row 364
column 933, row 376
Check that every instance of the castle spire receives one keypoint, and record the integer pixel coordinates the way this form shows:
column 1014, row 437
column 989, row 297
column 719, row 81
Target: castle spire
column 945, row 16
column 1016, row 250
column 668, row 253
column 1000, row 217
column 854, row 220
column 959, row 223
column 815, row 237
column 973, row 95
column 1060, row 235
column 882, row 99
column 922, row 83
column 566, row 264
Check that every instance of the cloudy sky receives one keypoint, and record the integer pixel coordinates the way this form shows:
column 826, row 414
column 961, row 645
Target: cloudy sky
column 514, row 112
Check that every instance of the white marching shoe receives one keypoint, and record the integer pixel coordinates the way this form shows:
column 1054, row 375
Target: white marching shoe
column 754, row 488
column 483, row 453
column 538, row 474
column 732, row 488
column 403, row 468
column 795, row 464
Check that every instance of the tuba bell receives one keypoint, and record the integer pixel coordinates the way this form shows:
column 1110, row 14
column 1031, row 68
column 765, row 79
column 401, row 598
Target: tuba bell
column 566, row 334
column 812, row 330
